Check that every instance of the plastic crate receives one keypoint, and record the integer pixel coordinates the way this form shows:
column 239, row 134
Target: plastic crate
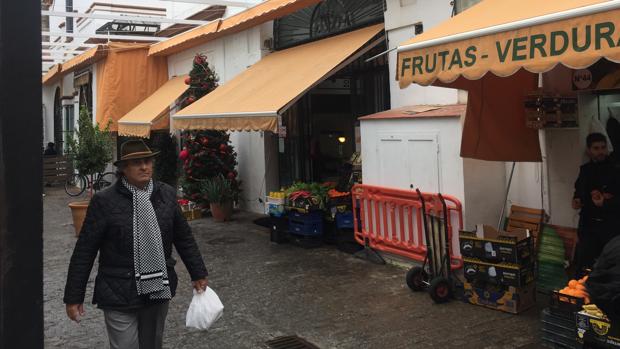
column 344, row 220
column 306, row 223
column 564, row 305
column 305, row 241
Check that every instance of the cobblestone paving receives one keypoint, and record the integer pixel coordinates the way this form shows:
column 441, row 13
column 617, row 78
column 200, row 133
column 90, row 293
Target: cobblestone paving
column 323, row 295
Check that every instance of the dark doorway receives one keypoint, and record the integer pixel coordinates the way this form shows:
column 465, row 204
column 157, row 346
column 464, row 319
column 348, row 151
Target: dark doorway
column 58, row 121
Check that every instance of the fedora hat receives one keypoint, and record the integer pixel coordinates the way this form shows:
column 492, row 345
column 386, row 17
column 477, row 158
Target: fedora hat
column 134, row 149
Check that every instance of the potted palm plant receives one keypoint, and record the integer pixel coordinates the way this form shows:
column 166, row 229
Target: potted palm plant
column 91, row 150
column 219, row 191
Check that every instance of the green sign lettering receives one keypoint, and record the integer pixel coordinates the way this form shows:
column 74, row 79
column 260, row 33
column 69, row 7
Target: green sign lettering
column 456, row 59
column 502, row 54
column 426, row 66
column 588, row 39
column 537, row 42
column 604, row 31
column 470, row 53
column 519, row 45
column 558, row 49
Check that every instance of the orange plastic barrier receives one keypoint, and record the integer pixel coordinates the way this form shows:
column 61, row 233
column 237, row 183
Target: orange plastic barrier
column 391, row 220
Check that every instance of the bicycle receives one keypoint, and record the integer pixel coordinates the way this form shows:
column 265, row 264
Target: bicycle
column 77, row 183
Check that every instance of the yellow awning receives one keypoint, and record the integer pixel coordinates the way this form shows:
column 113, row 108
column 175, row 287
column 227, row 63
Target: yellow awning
column 254, row 98
column 139, row 120
column 52, row 74
column 260, row 13
column 502, row 36
column 87, row 58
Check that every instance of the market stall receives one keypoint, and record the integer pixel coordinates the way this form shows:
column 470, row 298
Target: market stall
column 540, row 76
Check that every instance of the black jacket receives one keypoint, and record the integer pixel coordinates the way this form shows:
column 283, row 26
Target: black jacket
column 605, row 177
column 108, row 229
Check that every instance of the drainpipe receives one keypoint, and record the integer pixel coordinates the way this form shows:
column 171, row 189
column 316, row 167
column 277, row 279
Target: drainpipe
column 69, row 7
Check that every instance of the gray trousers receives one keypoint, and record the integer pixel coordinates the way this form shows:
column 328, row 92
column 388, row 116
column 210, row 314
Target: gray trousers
column 139, row 329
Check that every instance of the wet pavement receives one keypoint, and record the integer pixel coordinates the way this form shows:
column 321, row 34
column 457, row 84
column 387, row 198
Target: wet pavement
column 328, row 297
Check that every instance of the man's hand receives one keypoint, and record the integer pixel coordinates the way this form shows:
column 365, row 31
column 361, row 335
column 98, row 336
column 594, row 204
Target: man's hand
column 597, row 198
column 577, row 203
column 75, row 311
column 200, row 285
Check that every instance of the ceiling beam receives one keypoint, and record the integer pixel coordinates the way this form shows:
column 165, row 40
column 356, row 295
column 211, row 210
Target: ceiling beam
column 104, row 36
column 147, row 19
column 62, row 50
column 66, row 44
column 234, row 3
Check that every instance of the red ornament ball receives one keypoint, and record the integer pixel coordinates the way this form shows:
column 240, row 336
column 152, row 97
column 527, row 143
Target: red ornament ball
column 223, row 147
column 198, row 60
column 231, row 175
column 191, row 99
column 184, row 154
column 188, row 80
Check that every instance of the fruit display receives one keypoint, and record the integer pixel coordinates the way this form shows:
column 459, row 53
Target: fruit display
column 577, row 288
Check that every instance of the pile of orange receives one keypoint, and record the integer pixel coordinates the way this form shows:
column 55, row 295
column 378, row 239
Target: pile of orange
column 577, row 288
column 333, row 193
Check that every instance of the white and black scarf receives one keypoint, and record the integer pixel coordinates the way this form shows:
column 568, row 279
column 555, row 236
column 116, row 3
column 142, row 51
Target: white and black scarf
column 148, row 249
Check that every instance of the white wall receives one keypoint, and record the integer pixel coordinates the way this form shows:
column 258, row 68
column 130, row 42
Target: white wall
column 449, row 140
column 400, row 17
column 229, row 56
column 48, row 93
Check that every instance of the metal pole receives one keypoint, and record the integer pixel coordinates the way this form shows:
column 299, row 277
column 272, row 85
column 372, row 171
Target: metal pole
column 501, row 216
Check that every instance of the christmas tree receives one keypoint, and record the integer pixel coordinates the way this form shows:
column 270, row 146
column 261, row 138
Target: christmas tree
column 206, row 153
column 201, row 80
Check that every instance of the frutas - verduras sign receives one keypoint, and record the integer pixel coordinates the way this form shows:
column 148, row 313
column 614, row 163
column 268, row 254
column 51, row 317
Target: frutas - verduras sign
column 576, row 43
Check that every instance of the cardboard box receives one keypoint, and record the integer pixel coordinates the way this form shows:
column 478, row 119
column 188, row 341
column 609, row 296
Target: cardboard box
column 597, row 331
column 490, row 245
column 498, row 273
column 192, row 214
column 504, row 298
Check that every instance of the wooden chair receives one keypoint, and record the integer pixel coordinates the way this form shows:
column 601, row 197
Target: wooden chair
column 526, row 218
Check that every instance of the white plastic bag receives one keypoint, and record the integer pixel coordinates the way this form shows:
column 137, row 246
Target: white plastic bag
column 205, row 309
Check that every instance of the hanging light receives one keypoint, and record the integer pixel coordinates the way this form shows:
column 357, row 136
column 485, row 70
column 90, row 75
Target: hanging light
column 342, row 139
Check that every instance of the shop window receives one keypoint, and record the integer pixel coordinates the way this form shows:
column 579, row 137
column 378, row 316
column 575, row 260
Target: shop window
column 69, row 124
column 325, row 19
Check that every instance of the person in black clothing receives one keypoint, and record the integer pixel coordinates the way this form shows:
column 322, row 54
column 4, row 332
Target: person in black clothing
column 597, row 195
column 50, row 150
column 133, row 225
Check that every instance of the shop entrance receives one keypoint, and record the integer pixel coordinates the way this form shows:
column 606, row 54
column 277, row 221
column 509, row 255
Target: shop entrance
column 320, row 132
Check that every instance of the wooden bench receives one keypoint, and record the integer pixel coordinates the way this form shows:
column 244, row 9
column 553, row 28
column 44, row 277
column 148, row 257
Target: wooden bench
column 56, row 169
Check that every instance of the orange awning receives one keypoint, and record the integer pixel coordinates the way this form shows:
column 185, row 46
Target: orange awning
column 52, row 74
column 502, row 36
column 139, row 120
column 126, row 78
column 254, row 98
column 261, row 13
column 85, row 59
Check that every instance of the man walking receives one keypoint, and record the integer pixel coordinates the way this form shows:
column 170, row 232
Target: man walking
column 597, row 194
column 133, row 225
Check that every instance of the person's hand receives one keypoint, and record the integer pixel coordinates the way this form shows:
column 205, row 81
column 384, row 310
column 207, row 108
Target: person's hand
column 597, row 198
column 75, row 311
column 577, row 203
column 200, row 285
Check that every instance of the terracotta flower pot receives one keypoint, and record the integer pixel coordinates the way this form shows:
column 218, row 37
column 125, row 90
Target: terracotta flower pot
column 221, row 212
column 78, row 210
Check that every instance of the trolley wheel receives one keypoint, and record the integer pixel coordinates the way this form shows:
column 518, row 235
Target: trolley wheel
column 416, row 279
column 440, row 290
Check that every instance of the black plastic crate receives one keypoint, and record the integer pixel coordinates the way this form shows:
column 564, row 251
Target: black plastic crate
column 564, row 305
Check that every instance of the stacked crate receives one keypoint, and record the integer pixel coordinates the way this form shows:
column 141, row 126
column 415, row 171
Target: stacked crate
column 499, row 269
